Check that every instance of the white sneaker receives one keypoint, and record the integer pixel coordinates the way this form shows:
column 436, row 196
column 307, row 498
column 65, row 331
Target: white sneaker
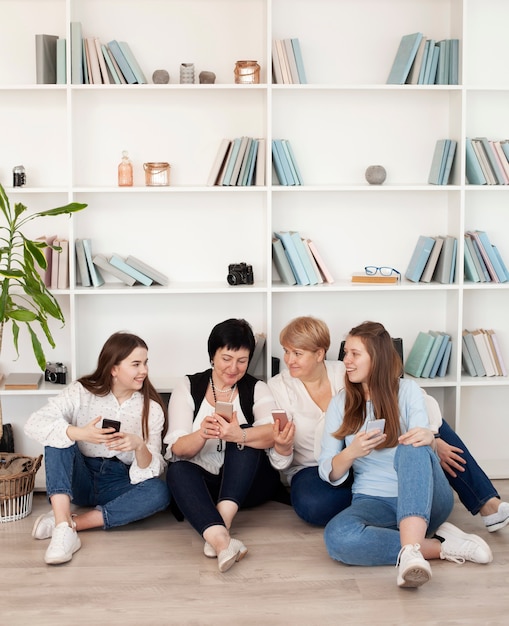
column 64, row 543
column 44, row 526
column 413, row 569
column 460, row 547
column 497, row 520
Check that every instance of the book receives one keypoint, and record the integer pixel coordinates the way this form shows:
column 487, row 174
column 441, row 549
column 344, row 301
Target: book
column 446, row 261
column 484, row 352
column 466, row 359
column 424, row 61
column 122, row 62
column 276, row 65
column 446, row 340
column 482, row 157
column 419, row 258
column 283, row 267
column 253, row 162
column 45, row 274
column 102, row 62
column 95, row 275
column 118, row 71
column 438, row 161
column 83, row 273
column 87, row 70
column 102, row 262
column 443, row 63
column 118, row 262
column 133, row 63
column 488, row 334
column 299, row 60
column 46, row 59
column 146, row 269
column 111, row 71
column 417, row 65
column 429, row 63
column 246, row 163
column 256, row 362
column 404, row 58
column 327, row 276
column 418, row 354
column 478, row 260
column 293, row 257
column 454, row 46
column 442, row 369
column 498, row 349
column 492, row 256
column 230, row 164
column 55, row 254
column 502, row 160
column 374, row 279
column 95, row 70
column 470, row 269
column 63, row 264
column 483, row 252
column 436, row 348
column 433, row 68
column 312, row 260
column 285, row 68
column 218, row 162
column 492, row 160
column 292, row 64
column 260, row 163
column 432, row 261
column 471, row 346
column 290, row 157
column 61, row 61
column 238, row 161
column 301, row 251
column 452, row 270
column 449, row 160
column 23, row 380
column 503, row 266
column 474, row 171
column 281, row 164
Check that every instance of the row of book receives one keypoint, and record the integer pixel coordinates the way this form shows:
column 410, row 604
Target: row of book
column 430, row 355
column 297, row 260
column 487, row 161
column 239, row 162
column 425, row 61
column 130, row 270
column 433, row 260
column 442, row 162
column 481, row 353
column 96, row 63
column 483, row 261
column 56, row 252
column 287, row 63
column 285, row 163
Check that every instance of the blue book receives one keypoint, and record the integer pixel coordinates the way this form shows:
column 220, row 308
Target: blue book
column 422, row 71
column 295, row 174
column 474, row 171
column 438, row 161
column 442, row 370
column 293, row 160
column 453, row 260
column 469, row 343
column 475, row 245
column 429, row 61
column 433, row 70
column 133, row 63
column 433, row 353
column 470, row 268
column 284, row 162
column 246, row 163
column 419, row 353
column 492, row 159
column 419, row 258
column 118, row 262
column 454, row 45
column 86, row 77
column 451, row 151
column 440, row 353
column 122, row 62
column 293, row 257
column 500, row 260
column 443, row 63
column 298, row 60
column 253, row 162
column 110, row 65
column 232, row 158
column 95, row 274
column 304, row 257
column 404, row 58
column 499, row 270
column 76, row 54
column 61, row 62
column 278, row 165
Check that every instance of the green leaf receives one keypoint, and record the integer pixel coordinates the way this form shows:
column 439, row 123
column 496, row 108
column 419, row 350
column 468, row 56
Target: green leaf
column 37, row 348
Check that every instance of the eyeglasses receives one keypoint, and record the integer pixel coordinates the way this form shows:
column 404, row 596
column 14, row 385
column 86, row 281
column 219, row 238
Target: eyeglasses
column 371, row 270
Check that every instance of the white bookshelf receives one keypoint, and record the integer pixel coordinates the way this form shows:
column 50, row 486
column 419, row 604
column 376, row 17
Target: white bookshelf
column 70, row 139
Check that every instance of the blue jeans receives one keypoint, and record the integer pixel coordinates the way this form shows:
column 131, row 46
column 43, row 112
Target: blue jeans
column 366, row 533
column 473, row 487
column 316, row 501
column 246, row 478
column 103, row 484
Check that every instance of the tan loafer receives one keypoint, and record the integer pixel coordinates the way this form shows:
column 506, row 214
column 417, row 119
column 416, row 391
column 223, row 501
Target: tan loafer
column 235, row 551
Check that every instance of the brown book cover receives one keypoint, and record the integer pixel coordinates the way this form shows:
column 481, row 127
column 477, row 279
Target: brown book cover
column 23, row 381
column 373, row 279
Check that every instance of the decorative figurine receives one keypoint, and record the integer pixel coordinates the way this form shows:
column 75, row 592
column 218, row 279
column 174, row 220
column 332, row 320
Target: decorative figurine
column 376, row 174
column 207, row 78
column 187, row 73
column 160, row 77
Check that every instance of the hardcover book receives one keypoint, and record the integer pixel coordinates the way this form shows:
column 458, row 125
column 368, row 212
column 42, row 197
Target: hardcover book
column 442, row 369
column 146, row 269
column 299, row 60
column 260, row 163
column 404, row 58
column 125, row 68
column 23, row 381
column 76, row 54
column 474, row 171
column 95, row 70
column 102, row 62
column 439, row 340
column 470, row 345
column 63, row 264
column 118, row 262
column 276, row 65
column 61, row 61
column 46, row 59
column 111, row 67
column 293, row 257
column 283, row 267
column 327, row 276
column 218, row 162
column 446, row 261
column 83, row 274
column 419, row 258
column 374, row 279
column 133, row 63
column 419, row 353
column 432, row 261
column 438, row 161
column 484, row 352
column 301, row 251
column 102, row 262
column 95, row 275
column 292, row 64
column 440, row 355
column 230, row 164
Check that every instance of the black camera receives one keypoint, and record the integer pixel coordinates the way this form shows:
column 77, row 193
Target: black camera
column 240, row 274
column 56, row 373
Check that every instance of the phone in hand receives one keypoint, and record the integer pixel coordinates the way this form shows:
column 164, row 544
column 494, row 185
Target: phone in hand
column 225, row 410
column 107, row 423
column 281, row 415
column 375, row 425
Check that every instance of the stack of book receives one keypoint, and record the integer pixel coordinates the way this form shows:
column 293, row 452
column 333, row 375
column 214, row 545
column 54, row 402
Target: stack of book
column 483, row 261
column 96, row 63
column 487, row 161
column 56, row 252
column 239, row 162
column 130, row 270
column 423, row 61
column 285, row 164
column 287, row 63
column 481, row 353
column 297, row 260
column 433, row 259
column 430, row 355
column 443, row 158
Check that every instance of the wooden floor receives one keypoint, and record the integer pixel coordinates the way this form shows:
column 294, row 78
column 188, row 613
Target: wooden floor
column 154, row 572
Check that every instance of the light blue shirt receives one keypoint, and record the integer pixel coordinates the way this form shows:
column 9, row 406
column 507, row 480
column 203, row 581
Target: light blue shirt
column 373, row 474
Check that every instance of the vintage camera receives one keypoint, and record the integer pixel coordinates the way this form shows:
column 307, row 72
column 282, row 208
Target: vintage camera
column 240, row 274
column 56, row 373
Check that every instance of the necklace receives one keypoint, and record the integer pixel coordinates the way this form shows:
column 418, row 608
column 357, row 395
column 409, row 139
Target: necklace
column 232, row 389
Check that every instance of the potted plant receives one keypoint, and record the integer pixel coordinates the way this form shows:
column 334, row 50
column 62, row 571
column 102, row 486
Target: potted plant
column 25, row 300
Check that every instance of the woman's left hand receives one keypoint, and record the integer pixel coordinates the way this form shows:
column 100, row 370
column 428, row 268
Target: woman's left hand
column 416, row 437
column 125, row 442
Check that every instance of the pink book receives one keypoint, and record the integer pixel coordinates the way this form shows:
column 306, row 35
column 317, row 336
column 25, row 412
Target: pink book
column 498, row 351
column 327, row 276
column 501, row 159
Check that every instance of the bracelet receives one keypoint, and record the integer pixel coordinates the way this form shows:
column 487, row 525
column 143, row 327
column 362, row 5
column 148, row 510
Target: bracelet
column 437, row 435
column 240, row 446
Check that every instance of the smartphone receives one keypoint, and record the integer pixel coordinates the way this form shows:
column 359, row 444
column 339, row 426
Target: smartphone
column 225, row 410
column 111, row 424
column 281, row 415
column 375, row 425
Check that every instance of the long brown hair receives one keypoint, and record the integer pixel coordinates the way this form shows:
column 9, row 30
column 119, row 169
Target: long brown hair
column 117, row 348
column 383, row 384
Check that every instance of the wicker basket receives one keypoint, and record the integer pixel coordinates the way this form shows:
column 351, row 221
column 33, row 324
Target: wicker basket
column 16, row 490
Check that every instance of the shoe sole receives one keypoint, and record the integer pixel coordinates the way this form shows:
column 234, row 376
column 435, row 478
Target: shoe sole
column 494, row 527
column 36, row 525
column 66, row 558
column 226, row 565
column 456, row 532
column 414, row 577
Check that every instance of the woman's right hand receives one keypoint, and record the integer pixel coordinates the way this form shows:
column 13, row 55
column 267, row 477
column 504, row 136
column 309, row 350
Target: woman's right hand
column 283, row 440
column 90, row 433
column 365, row 442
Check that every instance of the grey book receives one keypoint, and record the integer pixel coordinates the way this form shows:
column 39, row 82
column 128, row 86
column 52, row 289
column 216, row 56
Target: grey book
column 102, row 262
column 46, row 59
column 152, row 273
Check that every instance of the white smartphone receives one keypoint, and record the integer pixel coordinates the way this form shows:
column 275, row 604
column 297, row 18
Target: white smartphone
column 225, row 410
column 376, row 425
column 281, row 415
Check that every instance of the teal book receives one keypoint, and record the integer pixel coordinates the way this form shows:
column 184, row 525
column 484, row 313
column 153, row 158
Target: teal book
column 293, row 257
column 252, row 165
column 122, row 62
column 443, row 63
column 433, row 70
column 118, row 262
column 133, row 63
column 278, row 165
column 430, row 371
column 76, row 54
column 454, row 45
column 438, row 161
column 232, row 158
column 452, row 271
column 304, row 257
column 419, row 353
column 293, row 161
column 61, row 61
column 501, row 261
column 466, row 359
column 237, row 166
column 451, row 151
column 95, row 274
column 497, row 266
column 429, row 62
column 444, row 365
column 246, row 163
column 283, row 267
column 478, row 260
column 474, row 171
column 146, row 269
column 479, row 245
column 297, row 52
column 288, row 156
column 110, row 65
column 404, row 58
column 422, row 71
column 419, row 258
column 471, row 346
column 470, row 269
column 278, row 144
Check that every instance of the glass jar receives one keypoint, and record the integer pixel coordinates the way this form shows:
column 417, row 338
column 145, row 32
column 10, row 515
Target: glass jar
column 247, row 72
column 157, row 174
